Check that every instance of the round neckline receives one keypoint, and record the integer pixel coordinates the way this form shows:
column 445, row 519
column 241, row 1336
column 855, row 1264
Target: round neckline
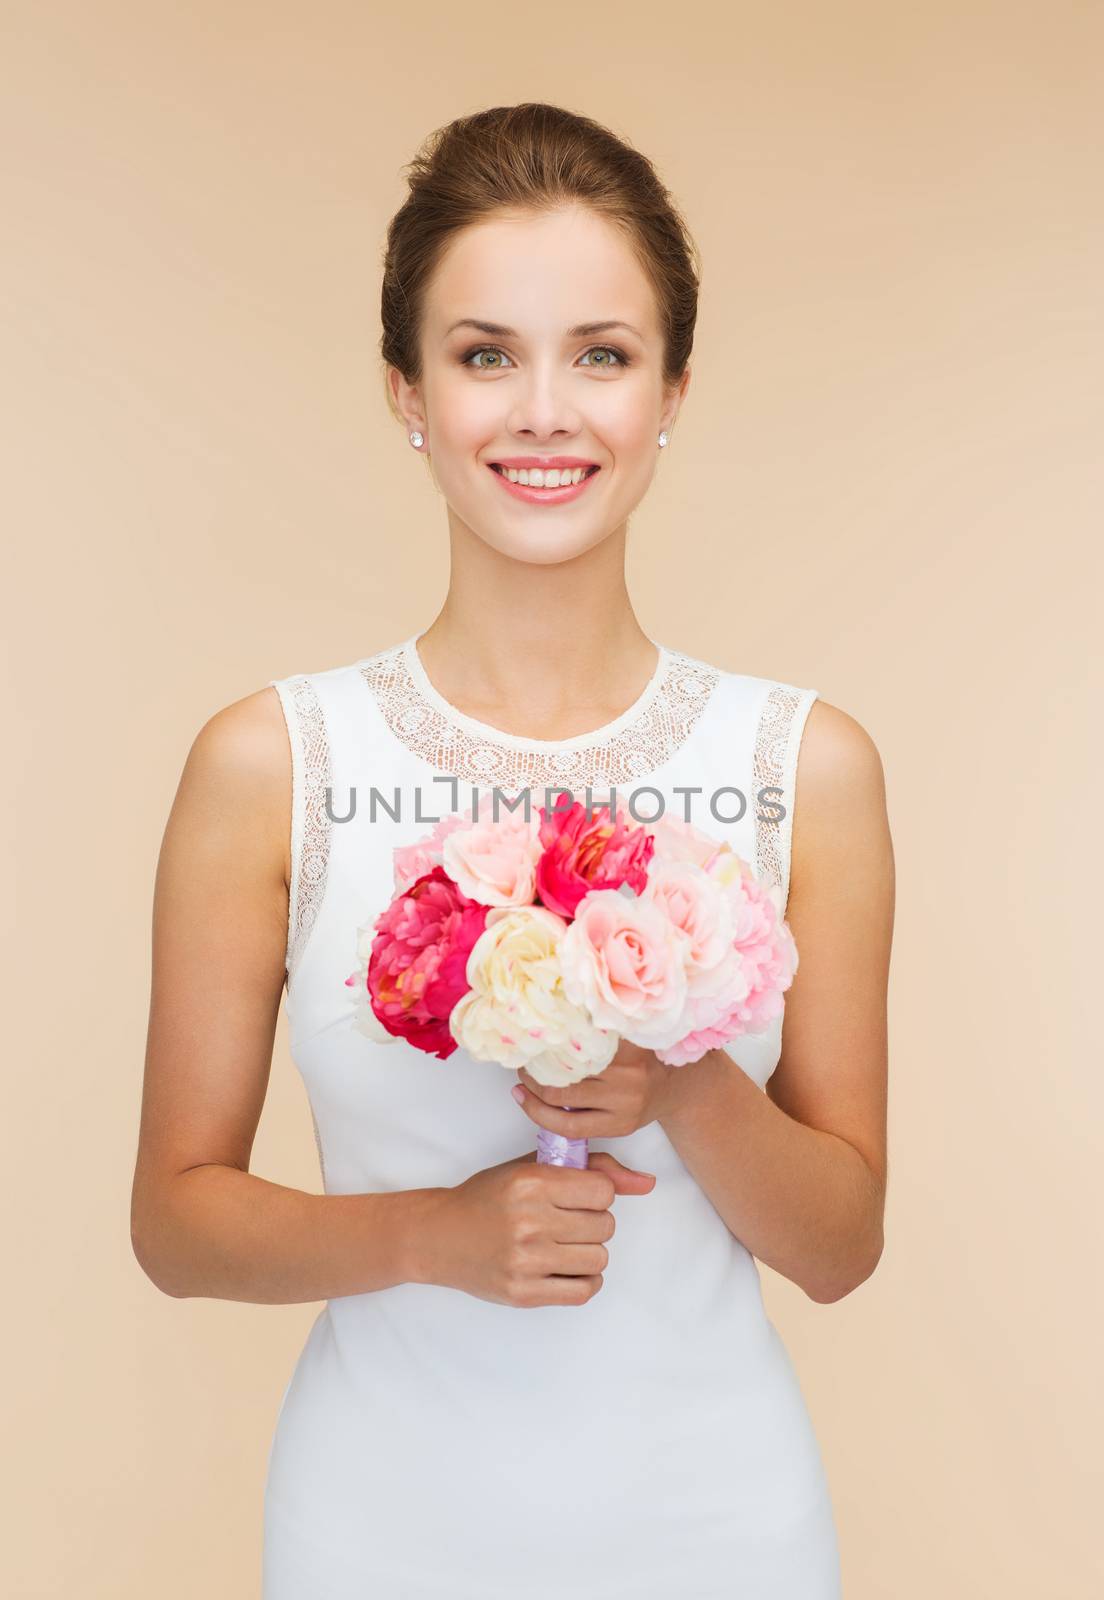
column 487, row 732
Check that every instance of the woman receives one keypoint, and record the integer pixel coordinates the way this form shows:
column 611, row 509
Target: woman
column 513, row 1388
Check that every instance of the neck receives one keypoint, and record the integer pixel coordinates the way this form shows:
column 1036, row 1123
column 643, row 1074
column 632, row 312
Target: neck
column 526, row 644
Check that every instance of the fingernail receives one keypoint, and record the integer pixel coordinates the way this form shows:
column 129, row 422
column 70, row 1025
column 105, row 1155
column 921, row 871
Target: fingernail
column 518, row 1093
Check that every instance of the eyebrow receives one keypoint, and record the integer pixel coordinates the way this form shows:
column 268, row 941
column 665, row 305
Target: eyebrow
column 582, row 330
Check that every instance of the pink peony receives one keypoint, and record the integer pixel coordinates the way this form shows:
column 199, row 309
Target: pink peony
column 768, row 961
column 580, row 855
column 676, row 840
column 623, row 960
column 416, row 971
column 413, row 861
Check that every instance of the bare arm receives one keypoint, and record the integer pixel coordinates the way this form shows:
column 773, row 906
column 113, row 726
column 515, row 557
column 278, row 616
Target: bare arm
column 799, row 1174
column 201, row 1222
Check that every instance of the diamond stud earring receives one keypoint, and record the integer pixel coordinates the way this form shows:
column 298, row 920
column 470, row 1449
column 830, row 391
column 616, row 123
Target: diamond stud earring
column 416, row 439
column 662, row 440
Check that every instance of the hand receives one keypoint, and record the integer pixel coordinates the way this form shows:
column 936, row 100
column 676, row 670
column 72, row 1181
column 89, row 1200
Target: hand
column 634, row 1090
column 525, row 1234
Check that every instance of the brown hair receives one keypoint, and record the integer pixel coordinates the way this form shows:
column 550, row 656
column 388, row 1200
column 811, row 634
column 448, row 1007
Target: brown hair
column 533, row 157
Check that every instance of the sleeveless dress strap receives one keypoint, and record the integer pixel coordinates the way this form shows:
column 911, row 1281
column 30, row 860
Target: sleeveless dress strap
column 311, row 776
column 777, row 744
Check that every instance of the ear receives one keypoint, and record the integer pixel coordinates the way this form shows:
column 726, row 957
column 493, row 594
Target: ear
column 674, row 401
column 407, row 400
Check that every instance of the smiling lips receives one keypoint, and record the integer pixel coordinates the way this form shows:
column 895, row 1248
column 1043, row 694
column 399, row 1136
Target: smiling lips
column 526, row 477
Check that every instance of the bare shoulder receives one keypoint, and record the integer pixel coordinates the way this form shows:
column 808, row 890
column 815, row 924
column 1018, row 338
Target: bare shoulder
column 238, row 772
column 245, row 740
column 840, row 811
column 838, row 756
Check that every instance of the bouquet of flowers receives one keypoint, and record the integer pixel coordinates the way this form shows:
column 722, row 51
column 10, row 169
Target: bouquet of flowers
column 541, row 941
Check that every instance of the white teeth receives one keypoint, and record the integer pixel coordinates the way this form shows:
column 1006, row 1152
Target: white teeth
column 538, row 477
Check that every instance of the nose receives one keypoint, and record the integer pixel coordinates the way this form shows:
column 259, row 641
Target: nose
column 541, row 404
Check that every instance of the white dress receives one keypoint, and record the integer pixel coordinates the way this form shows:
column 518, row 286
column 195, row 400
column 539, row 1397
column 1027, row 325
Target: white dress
column 652, row 1444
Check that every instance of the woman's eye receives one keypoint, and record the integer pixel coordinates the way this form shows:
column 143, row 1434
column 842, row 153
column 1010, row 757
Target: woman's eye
column 487, row 350
column 607, row 350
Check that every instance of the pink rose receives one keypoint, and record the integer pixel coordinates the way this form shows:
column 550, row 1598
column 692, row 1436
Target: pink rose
column 700, row 908
column 580, row 855
column 417, row 967
column 622, row 958
column 495, row 862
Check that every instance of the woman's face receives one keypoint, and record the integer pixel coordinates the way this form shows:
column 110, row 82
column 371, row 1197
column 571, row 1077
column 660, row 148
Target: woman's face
column 535, row 381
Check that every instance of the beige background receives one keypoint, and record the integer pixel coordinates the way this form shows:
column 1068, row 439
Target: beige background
column 891, row 455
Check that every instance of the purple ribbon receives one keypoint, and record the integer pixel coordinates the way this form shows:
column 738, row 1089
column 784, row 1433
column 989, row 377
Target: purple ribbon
column 557, row 1150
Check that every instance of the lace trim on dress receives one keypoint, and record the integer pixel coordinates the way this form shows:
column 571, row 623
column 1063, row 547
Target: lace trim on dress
column 774, row 764
column 312, row 824
column 614, row 757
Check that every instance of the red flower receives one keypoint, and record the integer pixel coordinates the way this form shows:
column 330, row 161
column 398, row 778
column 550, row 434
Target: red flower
column 417, row 968
column 580, row 854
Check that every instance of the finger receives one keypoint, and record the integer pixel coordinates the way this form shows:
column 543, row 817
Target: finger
column 586, row 1094
column 578, row 1188
column 572, row 1124
column 623, row 1075
column 627, row 1180
column 578, row 1259
column 584, row 1227
column 545, row 1091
